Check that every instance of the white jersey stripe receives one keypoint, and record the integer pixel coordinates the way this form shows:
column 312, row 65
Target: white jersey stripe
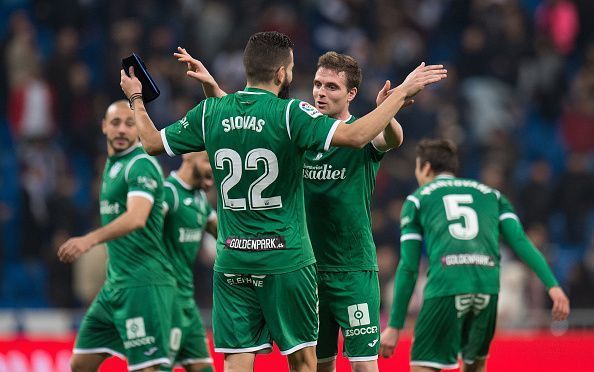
column 415, row 200
column 203, row 131
column 411, row 236
column 166, row 143
column 331, row 134
column 142, row 194
column 505, row 216
column 287, row 117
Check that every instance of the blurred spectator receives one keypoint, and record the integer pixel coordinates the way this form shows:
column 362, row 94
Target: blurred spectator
column 535, row 197
column 559, row 20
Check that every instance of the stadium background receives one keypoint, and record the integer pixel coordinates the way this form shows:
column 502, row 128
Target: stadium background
column 519, row 101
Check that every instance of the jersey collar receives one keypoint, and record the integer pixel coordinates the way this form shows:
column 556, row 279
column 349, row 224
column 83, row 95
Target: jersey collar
column 127, row 151
column 180, row 181
column 256, row 91
column 444, row 175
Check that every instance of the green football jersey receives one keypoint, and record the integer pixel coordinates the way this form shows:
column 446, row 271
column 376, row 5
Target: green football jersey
column 459, row 220
column 139, row 257
column 338, row 187
column 186, row 213
column 256, row 144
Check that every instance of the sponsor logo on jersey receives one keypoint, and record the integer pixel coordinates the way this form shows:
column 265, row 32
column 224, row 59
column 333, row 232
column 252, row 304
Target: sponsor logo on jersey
column 266, row 243
column 323, row 172
column 107, row 209
column 147, row 182
column 309, row 109
column 358, row 315
column 115, row 169
column 474, row 302
column 184, row 122
column 136, row 334
column 467, row 259
column 246, row 280
column 187, row 235
column 243, row 122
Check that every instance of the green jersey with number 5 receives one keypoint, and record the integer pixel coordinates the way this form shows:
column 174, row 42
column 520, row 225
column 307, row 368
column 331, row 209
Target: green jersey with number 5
column 256, row 144
column 459, row 220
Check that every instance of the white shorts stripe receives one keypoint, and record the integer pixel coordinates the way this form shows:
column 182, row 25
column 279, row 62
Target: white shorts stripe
column 99, row 350
column 196, row 360
column 298, row 347
column 363, row 359
column 243, row 350
column 424, row 363
column 134, row 367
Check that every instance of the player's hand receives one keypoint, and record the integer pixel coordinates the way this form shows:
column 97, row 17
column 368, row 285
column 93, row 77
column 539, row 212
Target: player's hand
column 386, row 91
column 73, row 248
column 388, row 341
column 420, row 77
column 560, row 309
column 196, row 69
column 130, row 84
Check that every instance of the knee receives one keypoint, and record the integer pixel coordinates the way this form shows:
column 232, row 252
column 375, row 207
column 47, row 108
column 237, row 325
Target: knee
column 327, row 366
column 77, row 364
column 367, row 366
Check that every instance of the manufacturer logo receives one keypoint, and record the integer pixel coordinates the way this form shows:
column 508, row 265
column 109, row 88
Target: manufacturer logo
column 474, row 302
column 151, row 351
column 187, row 201
column 372, row 343
column 135, row 328
column 359, row 315
column 309, row 109
column 318, row 156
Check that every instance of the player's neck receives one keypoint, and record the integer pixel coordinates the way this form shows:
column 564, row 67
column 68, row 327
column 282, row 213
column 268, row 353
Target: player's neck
column 271, row 87
column 344, row 115
column 185, row 175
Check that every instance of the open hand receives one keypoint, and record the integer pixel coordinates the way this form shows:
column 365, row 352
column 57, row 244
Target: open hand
column 196, row 69
column 386, row 91
column 422, row 76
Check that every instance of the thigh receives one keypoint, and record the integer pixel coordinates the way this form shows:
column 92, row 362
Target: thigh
column 188, row 336
column 479, row 327
column 289, row 302
column 437, row 334
column 327, row 347
column 142, row 317
column 97, row 333
column 237, row 317
column 355, row 301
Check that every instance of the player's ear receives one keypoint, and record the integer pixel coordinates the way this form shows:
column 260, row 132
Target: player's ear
column 352, row 94
column 279, row 75
column 103, row 126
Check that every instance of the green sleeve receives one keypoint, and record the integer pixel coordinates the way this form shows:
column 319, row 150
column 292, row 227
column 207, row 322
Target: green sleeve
column 170, row 197
column 410, row 256
column 309, row 128
column 187, row 134
column 513, row 234
column 404, row 284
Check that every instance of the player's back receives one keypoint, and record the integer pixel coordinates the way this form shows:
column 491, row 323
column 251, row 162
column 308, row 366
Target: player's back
column 459, row 221
column 256, row 143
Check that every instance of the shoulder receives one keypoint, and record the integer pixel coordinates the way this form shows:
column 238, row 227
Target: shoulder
column 142, row 162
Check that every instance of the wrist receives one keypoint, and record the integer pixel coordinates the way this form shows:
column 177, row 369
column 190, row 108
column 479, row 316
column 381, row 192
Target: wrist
column 133, row 98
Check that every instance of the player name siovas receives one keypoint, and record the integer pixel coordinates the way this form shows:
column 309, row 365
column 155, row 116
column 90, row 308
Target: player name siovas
column 467, row 259
column 323, row 172
column 256, row 244
column 243, row 122
column 187, row 235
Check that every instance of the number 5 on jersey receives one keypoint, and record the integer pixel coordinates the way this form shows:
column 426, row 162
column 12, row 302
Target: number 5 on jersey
column 454, row 210
column 236, row 166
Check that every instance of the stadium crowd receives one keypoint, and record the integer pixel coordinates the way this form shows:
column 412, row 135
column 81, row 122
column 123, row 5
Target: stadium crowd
column 519, row 101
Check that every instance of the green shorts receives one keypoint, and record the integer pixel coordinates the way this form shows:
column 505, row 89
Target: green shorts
column 251, row 311
column 132, row 323
column 349, row 301
column 188, row 341
column 456, row 325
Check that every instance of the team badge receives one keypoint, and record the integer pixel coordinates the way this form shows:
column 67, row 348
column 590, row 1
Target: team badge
column 309, row 109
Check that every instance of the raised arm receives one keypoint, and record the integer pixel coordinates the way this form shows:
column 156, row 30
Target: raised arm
column 365, row 129
column 149, row 135
column 196, row 70
column 392, row 136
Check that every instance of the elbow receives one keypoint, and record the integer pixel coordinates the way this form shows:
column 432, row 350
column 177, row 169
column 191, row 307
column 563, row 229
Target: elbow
column 151, row 150
column 358, row 141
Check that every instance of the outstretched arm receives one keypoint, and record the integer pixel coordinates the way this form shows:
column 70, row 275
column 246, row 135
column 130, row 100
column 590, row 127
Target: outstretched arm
column 364, row 129
column 392, row 136
column 196, row 70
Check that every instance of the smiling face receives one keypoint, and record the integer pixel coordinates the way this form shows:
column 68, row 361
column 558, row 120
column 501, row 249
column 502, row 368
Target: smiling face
column 331, row 94
column 119, row 127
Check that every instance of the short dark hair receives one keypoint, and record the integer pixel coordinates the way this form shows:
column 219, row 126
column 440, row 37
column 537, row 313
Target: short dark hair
column 264, row 53
column 441, row 153
column 345, row 63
